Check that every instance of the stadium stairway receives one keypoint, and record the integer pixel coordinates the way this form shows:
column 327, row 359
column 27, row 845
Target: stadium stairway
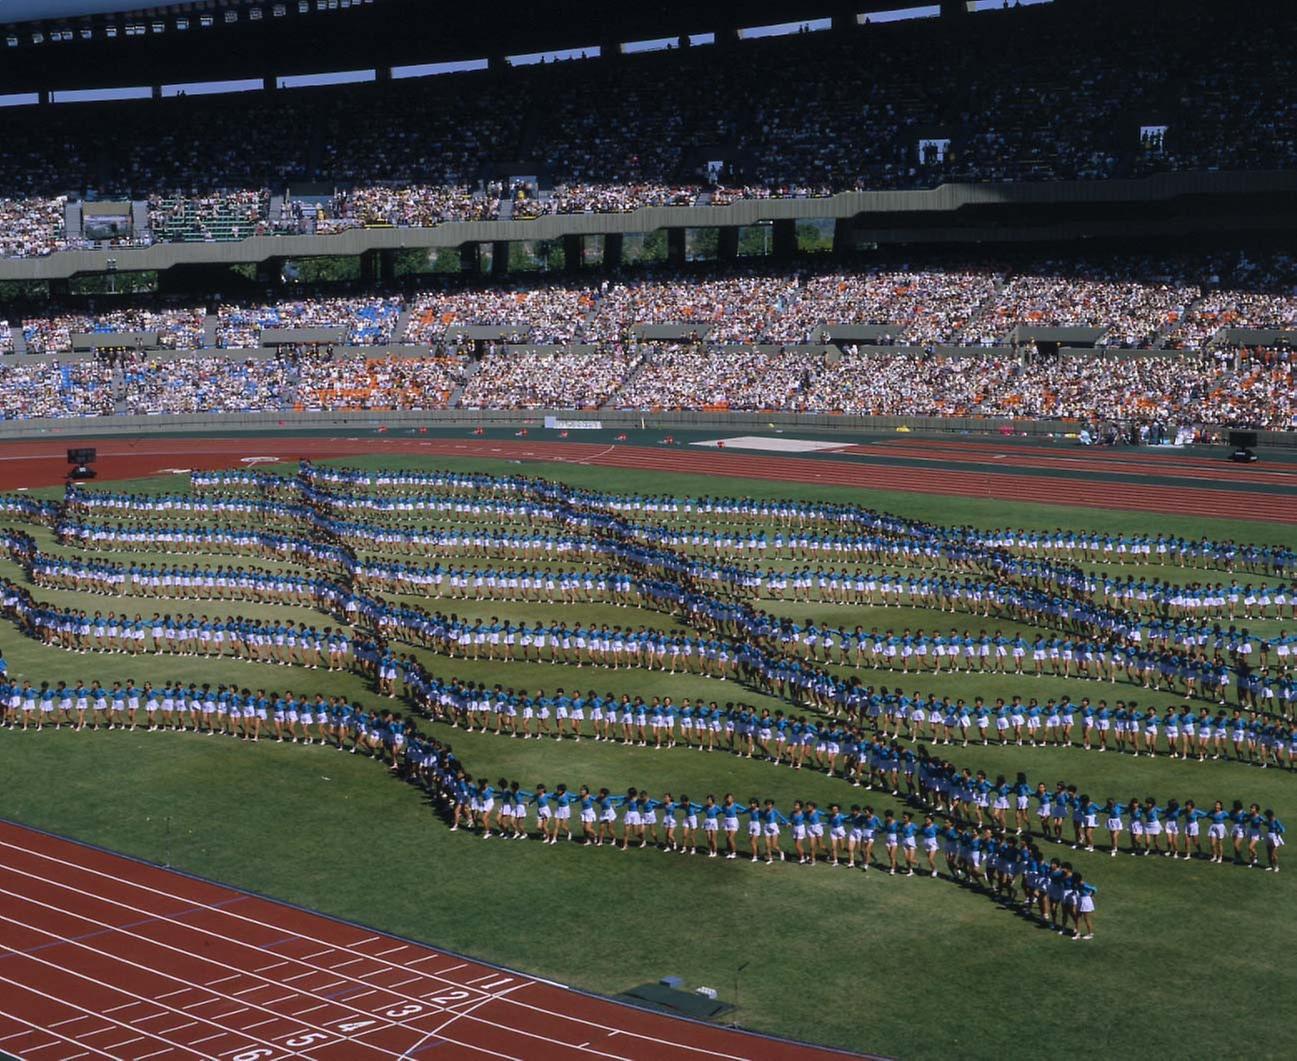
column 72, row 219
column 402, row 322
column 139, row 216
column 276, row 207
column 453, row 401
column 315, row 148
column 506, row 208
column 119, row 393
column 627, row 380
column 19, row 340
column 105, row 162
column 530, row 132
column 292, row 385
column 1164, row 332
column 997, row 290
column 210, row 322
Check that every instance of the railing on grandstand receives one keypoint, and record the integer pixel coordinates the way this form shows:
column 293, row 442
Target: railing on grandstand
column 407, row 422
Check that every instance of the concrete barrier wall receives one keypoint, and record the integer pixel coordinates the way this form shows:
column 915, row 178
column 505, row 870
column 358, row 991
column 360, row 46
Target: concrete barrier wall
column 396, row 420
column 884, row 207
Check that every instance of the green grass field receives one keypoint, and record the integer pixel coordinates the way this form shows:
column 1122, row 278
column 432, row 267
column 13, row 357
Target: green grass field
column 1189, row 958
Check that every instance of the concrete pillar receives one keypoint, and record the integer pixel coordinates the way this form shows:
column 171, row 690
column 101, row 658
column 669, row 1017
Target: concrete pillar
column 369, row 267
column 500, row 258
column 612, row 250
column 387, row 265
column 842, row 236
column 470, row 258
column 844, row 18
column 727, row 243
column 270, row 273
column 573, row 253
column 676, row 247
column 785, row 241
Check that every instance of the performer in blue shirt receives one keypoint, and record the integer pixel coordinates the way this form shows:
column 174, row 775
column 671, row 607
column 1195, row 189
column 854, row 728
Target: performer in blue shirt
column 1274, row 840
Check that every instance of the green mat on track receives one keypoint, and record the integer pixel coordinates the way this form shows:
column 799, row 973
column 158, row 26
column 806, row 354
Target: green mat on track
column 673, row 1000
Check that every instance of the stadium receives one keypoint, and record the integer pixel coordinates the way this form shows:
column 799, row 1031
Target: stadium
column 827, row 470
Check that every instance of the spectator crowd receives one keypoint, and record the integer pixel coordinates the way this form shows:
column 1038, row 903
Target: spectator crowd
column 801, row 116
column 1232, row 389
column 353, row 382
column 211, row 384
column 409, row 206
column 1253, row 387
column 943, row 338
column 361, row 321
column 1128, row 303
column 216, row 215
column 48, row 389
column 175, row 328
column 548, row 379
column 32, row 228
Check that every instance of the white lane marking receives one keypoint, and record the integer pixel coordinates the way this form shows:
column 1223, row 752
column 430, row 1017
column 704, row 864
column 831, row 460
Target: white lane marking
column 235, row 915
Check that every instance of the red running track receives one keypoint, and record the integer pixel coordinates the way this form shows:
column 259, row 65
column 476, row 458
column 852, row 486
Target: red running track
column 42, row 463
column 1115, row 463
column 1144, row 459
column 104, row 956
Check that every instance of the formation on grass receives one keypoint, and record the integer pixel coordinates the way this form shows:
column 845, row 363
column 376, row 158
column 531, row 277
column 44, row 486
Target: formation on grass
column 764, row 596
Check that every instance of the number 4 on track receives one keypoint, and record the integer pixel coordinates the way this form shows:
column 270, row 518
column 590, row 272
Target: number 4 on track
column 349, row 1026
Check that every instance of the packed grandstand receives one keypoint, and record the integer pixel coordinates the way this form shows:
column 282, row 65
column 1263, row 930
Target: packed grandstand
column 1195, row 340
column 749, row 339
column 799, row 117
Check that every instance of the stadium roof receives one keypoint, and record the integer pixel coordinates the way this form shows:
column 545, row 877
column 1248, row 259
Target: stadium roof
column 28, row 10
column 52, row 44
